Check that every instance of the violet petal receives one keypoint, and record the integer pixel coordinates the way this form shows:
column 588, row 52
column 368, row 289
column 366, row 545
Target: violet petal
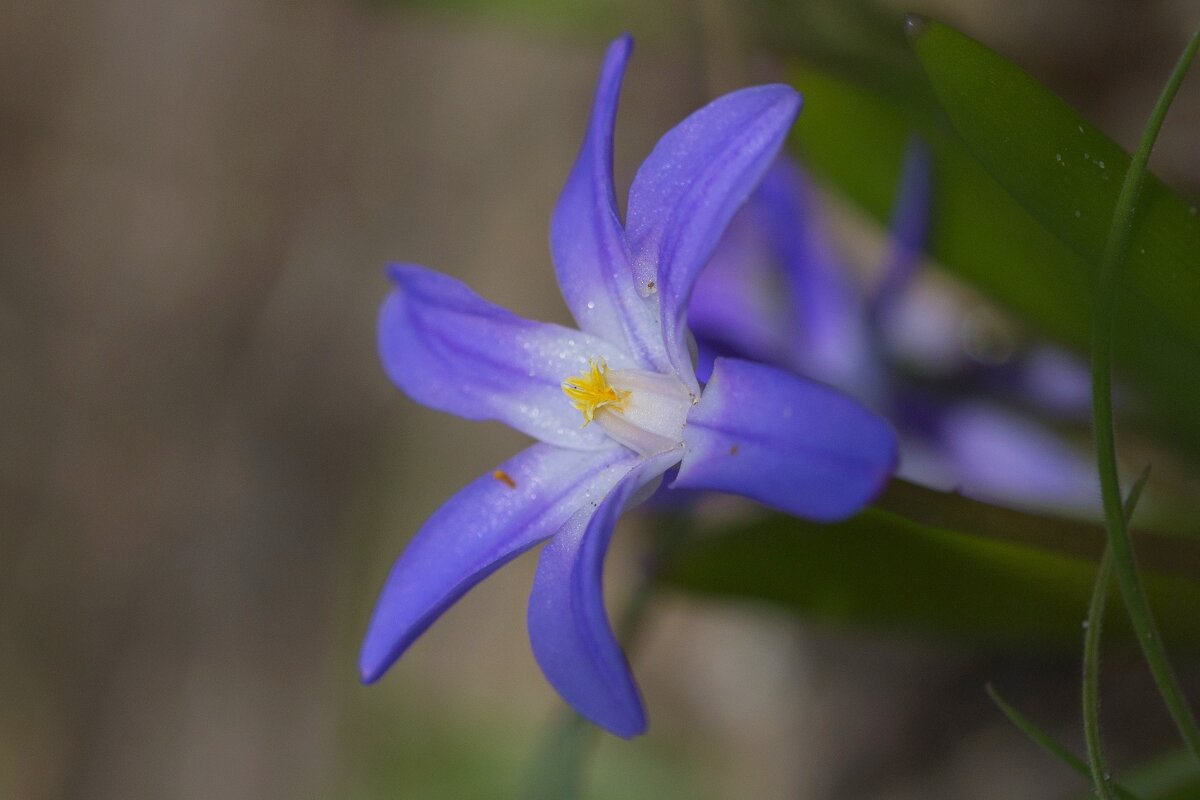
column 909, row 230
column 586, row 239
column 1002, row 457
column 568, row 627
column 785, row 441
column 450, row 349
column 697, row 177
column 491, row 520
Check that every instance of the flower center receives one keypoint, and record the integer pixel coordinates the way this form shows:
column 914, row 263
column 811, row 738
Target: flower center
column 645, row 411
column 591, row 391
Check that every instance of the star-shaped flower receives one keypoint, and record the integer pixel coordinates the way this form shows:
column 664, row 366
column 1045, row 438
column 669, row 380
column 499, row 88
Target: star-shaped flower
column 613, row 404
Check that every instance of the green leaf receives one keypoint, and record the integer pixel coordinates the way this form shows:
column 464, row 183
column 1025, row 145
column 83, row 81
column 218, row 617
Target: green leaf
column 884, row 571
column 1174, row 554
column 1048, row 742
column 1062, row 170
column 854, row 139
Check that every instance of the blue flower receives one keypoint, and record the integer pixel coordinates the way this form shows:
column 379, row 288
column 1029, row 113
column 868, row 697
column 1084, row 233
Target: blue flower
column 613, row 404
column 777, row 292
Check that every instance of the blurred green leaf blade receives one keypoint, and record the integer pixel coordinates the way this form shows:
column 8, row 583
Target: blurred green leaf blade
column 884, row 571
column 1061, row 169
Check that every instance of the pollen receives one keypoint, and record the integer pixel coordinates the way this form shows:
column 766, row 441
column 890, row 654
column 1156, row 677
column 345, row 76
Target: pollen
column 590, row 391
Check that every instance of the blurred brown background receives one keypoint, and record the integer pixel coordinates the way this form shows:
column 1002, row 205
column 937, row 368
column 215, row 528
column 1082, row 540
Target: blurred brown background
column 204, row 474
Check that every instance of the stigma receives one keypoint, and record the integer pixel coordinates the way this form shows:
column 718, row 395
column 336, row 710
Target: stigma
column 644, row 411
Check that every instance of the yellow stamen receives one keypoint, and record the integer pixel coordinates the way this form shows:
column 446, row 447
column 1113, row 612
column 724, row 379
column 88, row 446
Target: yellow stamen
column 590, row 391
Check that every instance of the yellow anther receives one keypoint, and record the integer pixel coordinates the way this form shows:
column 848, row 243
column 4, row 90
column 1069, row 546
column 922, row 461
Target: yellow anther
column 590, row 391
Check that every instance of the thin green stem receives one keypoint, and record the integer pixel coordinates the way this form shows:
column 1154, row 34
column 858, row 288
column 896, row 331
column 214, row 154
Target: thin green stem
column 1050, row 745
column 1101, row 776
column 1124, row 563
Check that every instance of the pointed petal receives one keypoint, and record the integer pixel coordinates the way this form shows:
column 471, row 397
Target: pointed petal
column 568, row 627
column 490, row 521
column 450, row 349
column 788, row 442
column 1002, row 457
column 1053, row 380
column 1058, row 382
column 686, row 192
column 805, row 311
column 738, row 307
column 586, row 238
column 829, row 337
column 910, row 227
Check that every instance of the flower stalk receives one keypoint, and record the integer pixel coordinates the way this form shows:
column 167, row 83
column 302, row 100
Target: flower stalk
column 1124, row 563
column 1101, row 775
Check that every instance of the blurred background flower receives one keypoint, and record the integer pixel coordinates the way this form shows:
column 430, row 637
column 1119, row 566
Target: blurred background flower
column 777, row 291
column 204, row 471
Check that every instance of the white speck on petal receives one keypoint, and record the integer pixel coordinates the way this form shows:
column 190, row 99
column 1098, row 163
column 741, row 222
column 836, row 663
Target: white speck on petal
column 590, row 305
